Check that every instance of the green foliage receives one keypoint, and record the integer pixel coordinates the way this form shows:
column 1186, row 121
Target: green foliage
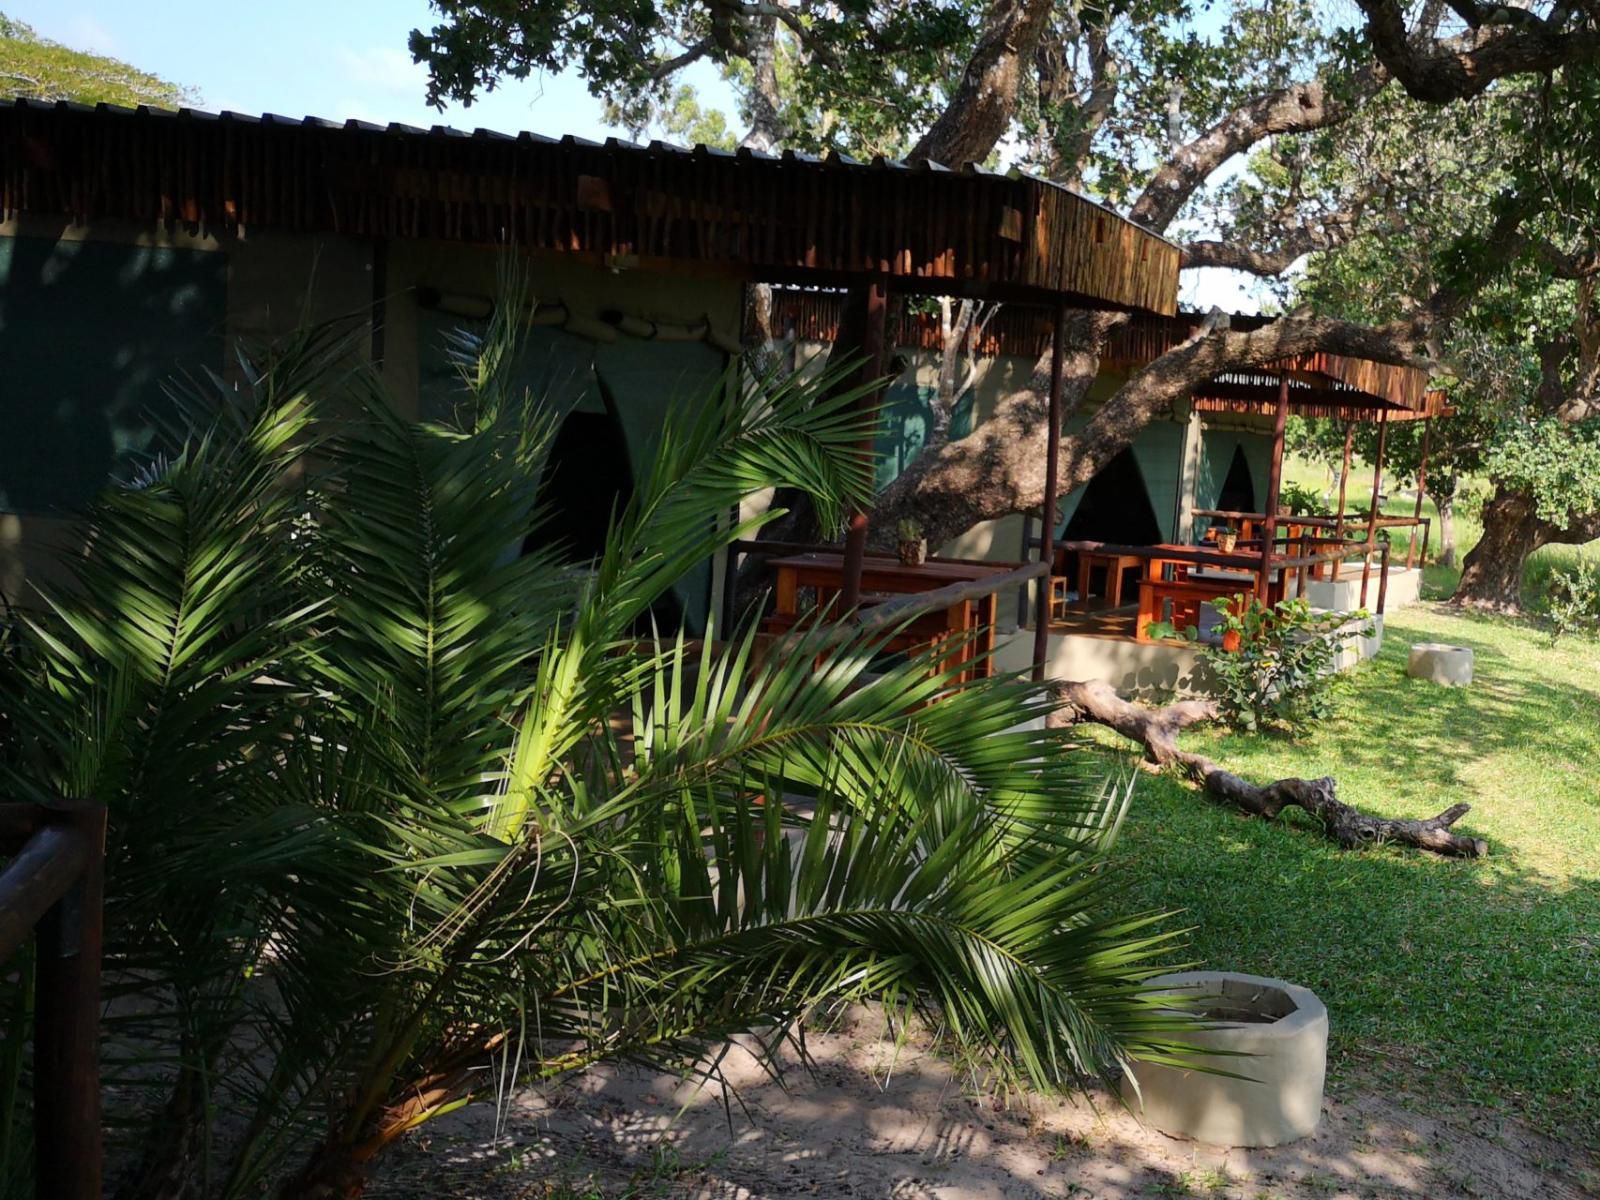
column 43, row 70
column 679, row 118
column 1558, row 465
column 867, row 78
column 870, row 78
column 1271, row 666
column 1572, row 598
column 389, row 802
column 1300, row 500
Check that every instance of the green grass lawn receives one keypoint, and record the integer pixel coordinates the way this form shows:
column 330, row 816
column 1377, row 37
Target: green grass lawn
column 1466, row 982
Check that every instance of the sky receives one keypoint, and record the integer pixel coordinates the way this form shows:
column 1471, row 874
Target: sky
column 348, row 58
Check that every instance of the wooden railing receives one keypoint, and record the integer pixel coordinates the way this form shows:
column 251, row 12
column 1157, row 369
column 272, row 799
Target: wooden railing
column 51, row 889
column 1302, row 554
column 1340, row 524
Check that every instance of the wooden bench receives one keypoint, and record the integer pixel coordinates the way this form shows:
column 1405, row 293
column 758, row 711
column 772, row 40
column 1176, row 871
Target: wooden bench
column 1187, row 597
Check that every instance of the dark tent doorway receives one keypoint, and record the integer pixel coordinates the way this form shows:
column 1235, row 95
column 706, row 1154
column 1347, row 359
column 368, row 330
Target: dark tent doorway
column 586, row 480
column 1238, row 492
column 1115, row 507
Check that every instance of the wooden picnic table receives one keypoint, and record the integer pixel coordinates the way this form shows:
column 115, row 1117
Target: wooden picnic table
column 1114, row 565
column 883, row 577
column 1189, row 588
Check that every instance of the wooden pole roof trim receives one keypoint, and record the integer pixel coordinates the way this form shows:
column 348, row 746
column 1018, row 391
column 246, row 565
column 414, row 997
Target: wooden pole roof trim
column 1328, row 385
column 1435, row 404
column 1331, row 380
column 792, row 218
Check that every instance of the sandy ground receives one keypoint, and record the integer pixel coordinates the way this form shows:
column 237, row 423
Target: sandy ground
column 871, row 1121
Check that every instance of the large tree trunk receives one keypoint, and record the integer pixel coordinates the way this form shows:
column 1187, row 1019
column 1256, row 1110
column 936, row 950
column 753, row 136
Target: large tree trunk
column 985, row 98
column 998, row 468
column 1491, row 577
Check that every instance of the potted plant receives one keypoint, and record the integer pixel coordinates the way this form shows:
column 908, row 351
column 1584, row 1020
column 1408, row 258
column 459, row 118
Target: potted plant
column 1227, row 539
column 913, row 546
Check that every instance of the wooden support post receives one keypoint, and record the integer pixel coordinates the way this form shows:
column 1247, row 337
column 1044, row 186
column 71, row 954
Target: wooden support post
column 1383, row 577
column 1422, row 491
column 876, row 305
column 1052, row 471
column 1372, row 512
column 66, row 1071
column 1022, row 556
column 1344, row 474
column 1269, row 527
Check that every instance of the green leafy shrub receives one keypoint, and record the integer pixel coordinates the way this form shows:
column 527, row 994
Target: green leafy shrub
column 1558, row 465
column 1272, row 666
column 1573, row 600
column 1300, row 501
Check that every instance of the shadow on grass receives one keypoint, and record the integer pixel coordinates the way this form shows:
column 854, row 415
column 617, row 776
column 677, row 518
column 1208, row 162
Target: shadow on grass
column 1482, row 976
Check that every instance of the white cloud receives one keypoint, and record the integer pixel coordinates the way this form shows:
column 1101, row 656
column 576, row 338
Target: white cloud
column 1213, row 287
column 384, row 69
column 86, row 33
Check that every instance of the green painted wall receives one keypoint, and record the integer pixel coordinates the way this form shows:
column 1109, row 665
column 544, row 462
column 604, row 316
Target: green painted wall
column 1159, row 452
column 905, row 421
column 91, row 333
column 643, row 379
column 1216, row 454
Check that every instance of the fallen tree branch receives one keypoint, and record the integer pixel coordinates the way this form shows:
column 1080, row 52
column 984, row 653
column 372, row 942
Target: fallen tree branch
column 1157, row 730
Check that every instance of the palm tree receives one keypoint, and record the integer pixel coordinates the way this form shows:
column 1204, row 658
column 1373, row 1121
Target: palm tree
column 392, row 803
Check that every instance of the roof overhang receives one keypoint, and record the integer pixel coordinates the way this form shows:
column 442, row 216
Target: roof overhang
column 783, row 219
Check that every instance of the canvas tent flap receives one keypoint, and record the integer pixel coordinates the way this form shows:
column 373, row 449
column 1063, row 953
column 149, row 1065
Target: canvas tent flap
column 1217, row 448
column 639, row 380
column 645, row 380
column 1159, row 452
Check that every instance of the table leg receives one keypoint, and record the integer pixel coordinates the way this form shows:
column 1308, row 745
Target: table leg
column 1147, row 597
column 986, row 614
column 1083, row 580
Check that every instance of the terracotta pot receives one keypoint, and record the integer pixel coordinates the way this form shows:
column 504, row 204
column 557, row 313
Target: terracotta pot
column 913, row 552
column 1232, row 639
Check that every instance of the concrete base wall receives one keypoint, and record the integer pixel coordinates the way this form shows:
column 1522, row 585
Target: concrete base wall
column 1130, row 667
column 1147, row 669
column 1344, row 594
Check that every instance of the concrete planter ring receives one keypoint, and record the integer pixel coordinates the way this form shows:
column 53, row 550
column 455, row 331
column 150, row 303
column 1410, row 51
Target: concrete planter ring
column 1284, row 1031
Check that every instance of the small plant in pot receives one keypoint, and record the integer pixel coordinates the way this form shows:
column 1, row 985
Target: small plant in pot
column 1227, row 539
column 913, row 546
column 1231, row 623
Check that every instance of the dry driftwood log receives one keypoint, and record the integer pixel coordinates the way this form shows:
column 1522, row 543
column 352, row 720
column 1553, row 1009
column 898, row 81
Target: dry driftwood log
column 1157, row 730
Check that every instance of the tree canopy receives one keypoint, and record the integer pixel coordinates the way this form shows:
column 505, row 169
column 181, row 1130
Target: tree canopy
column 40, row 69
column 1433, row 162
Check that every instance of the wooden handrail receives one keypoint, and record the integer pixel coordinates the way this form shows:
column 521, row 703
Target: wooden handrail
column 1216, row 558
column 1307, row 519
column 53, row 888
column 35, row 880
column 754, row 546
column 890, row 612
